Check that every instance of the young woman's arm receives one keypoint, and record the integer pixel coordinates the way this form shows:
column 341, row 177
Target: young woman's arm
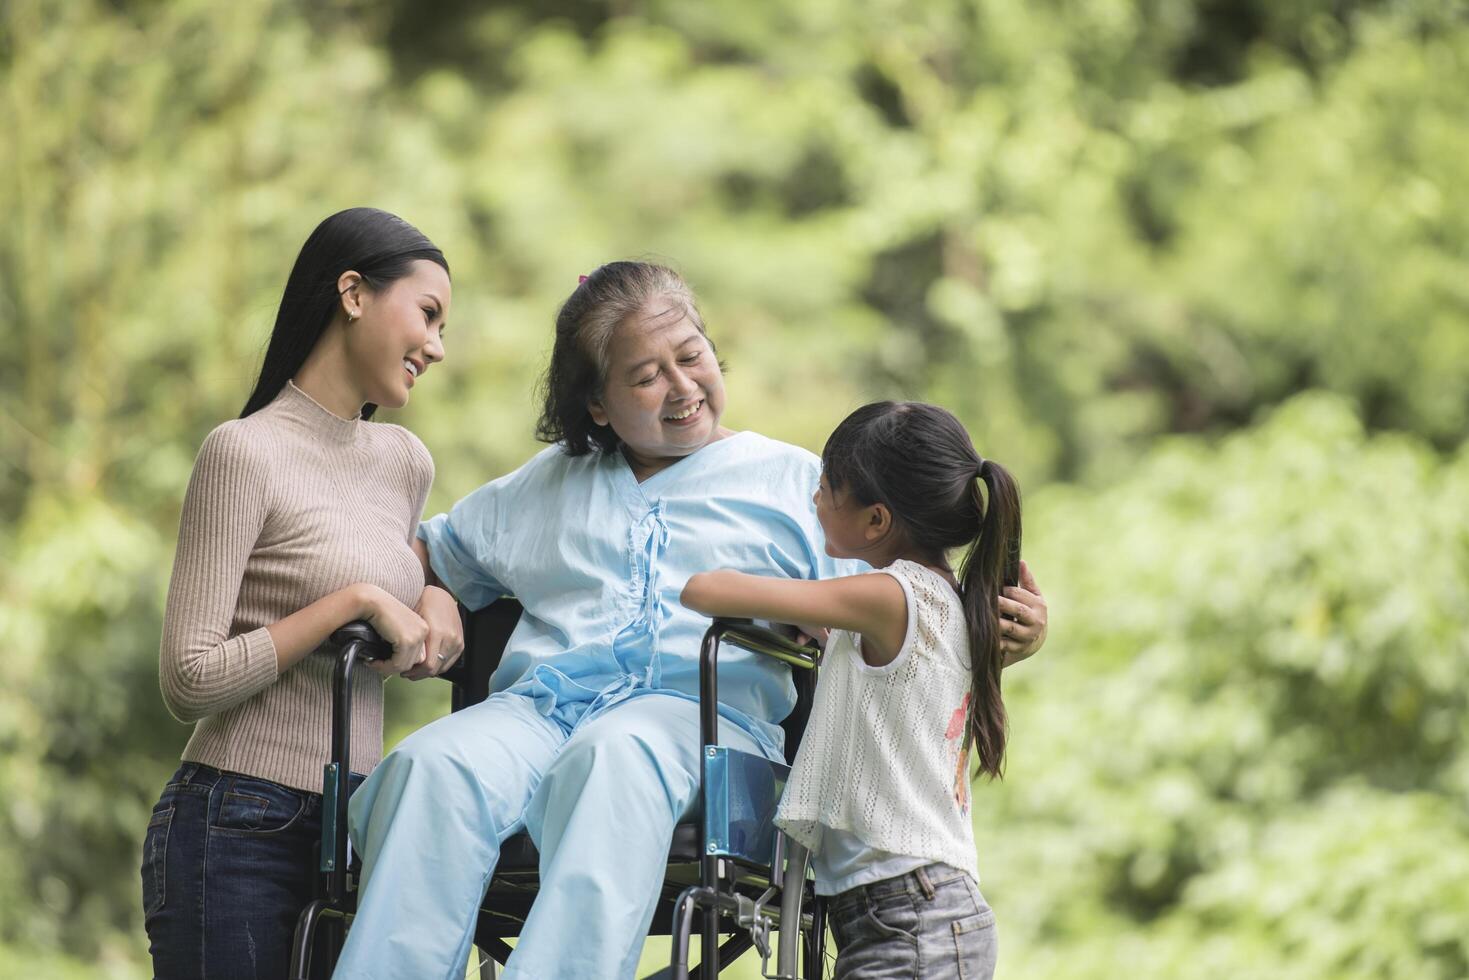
column 304, row 630
column 203, row 669
column 872, row 605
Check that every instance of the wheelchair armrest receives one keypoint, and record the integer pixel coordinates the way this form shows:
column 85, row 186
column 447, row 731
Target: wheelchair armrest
column 744, row 633
column 373, row 646
column 748, row 635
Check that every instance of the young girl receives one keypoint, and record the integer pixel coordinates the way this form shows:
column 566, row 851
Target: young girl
column 298, row 518
column 910, row 681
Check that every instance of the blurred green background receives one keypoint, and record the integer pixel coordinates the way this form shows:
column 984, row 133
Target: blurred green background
column 1195, row 269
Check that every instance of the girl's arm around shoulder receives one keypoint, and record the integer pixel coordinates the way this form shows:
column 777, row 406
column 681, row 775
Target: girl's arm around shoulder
column 872, row 605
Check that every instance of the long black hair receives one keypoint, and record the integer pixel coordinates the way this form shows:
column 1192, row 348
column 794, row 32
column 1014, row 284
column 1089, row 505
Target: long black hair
column 918, row 461
column 378, row 246
column 577, row 374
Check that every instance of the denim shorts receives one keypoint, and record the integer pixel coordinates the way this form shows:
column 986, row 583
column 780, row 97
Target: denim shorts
column 228, row 865
column 931, row 923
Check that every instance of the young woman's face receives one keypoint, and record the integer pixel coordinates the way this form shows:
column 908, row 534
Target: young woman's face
column 664, row 392
column 398, row 333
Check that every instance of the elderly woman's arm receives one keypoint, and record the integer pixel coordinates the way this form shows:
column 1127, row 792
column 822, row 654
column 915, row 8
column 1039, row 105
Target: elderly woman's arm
column 445, row 640
column 420, row 548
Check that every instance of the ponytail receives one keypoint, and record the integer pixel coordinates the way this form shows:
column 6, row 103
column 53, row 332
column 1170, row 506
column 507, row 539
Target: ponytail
column 993, row 562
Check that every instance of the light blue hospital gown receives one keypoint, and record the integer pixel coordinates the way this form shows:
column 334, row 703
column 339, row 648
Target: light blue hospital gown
column 590, row 739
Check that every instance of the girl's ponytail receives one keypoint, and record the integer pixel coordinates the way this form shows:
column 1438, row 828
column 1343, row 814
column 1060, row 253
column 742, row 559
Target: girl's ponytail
column 993, row 562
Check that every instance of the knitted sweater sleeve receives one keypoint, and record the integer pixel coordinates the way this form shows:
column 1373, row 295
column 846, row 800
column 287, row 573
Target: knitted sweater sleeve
column 202, row 668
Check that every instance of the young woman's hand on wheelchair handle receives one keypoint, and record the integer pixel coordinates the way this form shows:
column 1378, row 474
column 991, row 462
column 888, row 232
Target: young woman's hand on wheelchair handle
column 400, row 626
column 445, row 640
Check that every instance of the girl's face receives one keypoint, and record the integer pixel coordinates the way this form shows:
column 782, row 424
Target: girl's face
column 843, row 535
column 664, row 392
column 851, row 530
column 398, row 333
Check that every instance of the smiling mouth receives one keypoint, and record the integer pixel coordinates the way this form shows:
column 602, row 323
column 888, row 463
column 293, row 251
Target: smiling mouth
column 686, row 414
column 412, row 370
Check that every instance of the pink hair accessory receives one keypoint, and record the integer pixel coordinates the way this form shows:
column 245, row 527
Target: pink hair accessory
column 580, row 280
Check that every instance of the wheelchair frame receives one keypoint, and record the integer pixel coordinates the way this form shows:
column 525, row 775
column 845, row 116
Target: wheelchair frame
column 734, row 889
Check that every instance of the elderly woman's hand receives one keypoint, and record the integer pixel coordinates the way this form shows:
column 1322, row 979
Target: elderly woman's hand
column 1023, row 618
column 445, row 641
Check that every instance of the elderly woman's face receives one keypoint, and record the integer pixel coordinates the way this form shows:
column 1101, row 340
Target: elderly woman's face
column 664, row 392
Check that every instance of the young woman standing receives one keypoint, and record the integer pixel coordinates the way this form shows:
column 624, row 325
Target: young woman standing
column 298, row 518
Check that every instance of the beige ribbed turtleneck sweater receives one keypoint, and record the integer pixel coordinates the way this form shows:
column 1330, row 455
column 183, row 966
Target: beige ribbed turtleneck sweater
column 284, row 507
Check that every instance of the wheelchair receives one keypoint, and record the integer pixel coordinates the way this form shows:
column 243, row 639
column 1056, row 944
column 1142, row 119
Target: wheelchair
column 727, row 865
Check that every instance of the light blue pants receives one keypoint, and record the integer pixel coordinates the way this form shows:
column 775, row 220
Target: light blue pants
column 600, row 799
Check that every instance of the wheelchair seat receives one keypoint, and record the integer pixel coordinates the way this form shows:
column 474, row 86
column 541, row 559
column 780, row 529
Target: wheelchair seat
column 518, row 854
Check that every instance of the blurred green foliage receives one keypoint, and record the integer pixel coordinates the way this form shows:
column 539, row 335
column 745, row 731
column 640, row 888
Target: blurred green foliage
column 1120, row 238
column 1247, row 750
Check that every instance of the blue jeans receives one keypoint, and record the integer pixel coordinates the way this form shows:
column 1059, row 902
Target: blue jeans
column 931, row 923
column 227, row 867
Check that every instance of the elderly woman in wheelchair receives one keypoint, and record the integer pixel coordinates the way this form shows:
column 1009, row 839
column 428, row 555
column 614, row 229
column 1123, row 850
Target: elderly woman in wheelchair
column 590, row 738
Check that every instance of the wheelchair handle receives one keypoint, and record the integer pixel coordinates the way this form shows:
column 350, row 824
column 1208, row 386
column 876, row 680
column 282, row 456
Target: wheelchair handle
column 371, row 646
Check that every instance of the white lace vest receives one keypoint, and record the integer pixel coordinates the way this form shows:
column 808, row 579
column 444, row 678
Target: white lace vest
column 881, row 755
